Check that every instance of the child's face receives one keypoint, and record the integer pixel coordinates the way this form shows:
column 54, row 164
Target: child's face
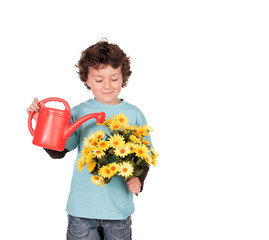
column 105, row 84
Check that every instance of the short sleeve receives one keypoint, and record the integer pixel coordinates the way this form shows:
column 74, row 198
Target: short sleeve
column 141, row 120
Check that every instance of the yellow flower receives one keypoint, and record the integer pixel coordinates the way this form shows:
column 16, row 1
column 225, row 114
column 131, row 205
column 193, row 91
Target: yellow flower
column 154, row 156
column 114, row 167
column 105, row 172
column 149, row 128
column 132, row 128
column 103, row 145
column 116, row 141
column 106, row 122
column 134, row 139
column 94, row 142
column 122, row 151
column 145, row 141
column 122, row 119
column 141, row 151
column 87, row 141
column 99, row 134
column 97, row 153
column 114, row 125
column 80, row 164
column 88, row 158
column 97, row 180
column 131, row 146
column 137, row 134
column 91, row 165
column 154, row 160
column 148, row 159
column 85, row 151
column 155, row 153
column 126, row 169
column 142, row 130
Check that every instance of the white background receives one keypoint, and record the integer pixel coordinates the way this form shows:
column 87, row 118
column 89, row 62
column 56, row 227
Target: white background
column 200, row 75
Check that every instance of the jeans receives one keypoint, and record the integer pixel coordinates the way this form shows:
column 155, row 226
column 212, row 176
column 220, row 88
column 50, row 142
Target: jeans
column 94, row 229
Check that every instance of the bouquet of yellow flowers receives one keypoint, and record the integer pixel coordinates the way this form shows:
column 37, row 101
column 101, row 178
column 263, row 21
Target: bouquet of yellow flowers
column 125, row 152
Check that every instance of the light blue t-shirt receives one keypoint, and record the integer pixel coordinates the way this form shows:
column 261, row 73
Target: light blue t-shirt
column 112, row 201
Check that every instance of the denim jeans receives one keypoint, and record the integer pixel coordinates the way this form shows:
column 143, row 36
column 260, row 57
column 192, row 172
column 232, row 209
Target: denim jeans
column 94, row 229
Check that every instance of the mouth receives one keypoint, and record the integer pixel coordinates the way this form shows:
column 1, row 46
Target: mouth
column 107, row 93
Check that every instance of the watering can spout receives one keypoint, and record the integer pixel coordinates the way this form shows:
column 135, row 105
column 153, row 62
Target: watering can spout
column 100, row 117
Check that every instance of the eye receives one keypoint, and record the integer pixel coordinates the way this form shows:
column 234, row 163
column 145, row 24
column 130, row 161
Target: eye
column 98, row 80
column 114, row 79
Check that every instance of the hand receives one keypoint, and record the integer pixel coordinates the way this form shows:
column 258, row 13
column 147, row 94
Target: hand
column 34, row 107
column 134, row 185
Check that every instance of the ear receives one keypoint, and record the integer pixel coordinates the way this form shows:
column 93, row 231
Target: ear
column 88, row 83
column 122, row 85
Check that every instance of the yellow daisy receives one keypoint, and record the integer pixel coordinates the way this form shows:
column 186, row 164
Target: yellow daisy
column 134, row 139
column 131, row 146
column 99, row 134
column 97, row 180
column 148, row 159
column 155, row 153
column 154, row 160
column 86, row 150
column 80, row 164
column 132, row 128
column 88, row 158
column 145, row 141
column 97, row 153
column 122, row 119
column 122, row 151
column 105, row 172
column 126, row 169
column 141, row 151
column 142, row 130
column 106, row 122
column 149, row 128
column 114, row 125
column 91, row 166
column 114, row 167
column 103, row 145
column 87, row 141
column 116, row 141
column 94, row 142
column 137, row 134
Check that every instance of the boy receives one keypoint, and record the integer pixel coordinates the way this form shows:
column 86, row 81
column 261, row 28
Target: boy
column 95, row 212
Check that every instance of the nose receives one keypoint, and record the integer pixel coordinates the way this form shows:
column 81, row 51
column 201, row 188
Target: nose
column 107, row 84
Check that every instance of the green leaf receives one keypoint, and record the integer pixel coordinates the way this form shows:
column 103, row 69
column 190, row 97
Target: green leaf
column 139, row 160
column 94, row 171
column 111, row 151
column 137, row 172
column 103, row 161
column 107, row 180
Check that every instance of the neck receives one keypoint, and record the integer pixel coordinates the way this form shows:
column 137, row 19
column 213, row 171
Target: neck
column 114, row 102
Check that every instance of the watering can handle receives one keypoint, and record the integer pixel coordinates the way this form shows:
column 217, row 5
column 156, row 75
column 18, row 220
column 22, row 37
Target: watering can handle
column 67, row 108
column 30, row 123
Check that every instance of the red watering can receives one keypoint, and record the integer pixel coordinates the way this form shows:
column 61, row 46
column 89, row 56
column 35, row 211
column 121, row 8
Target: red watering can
column 52, row 126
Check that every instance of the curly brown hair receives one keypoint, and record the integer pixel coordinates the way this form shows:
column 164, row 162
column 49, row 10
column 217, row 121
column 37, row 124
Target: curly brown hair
column 102, row 54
